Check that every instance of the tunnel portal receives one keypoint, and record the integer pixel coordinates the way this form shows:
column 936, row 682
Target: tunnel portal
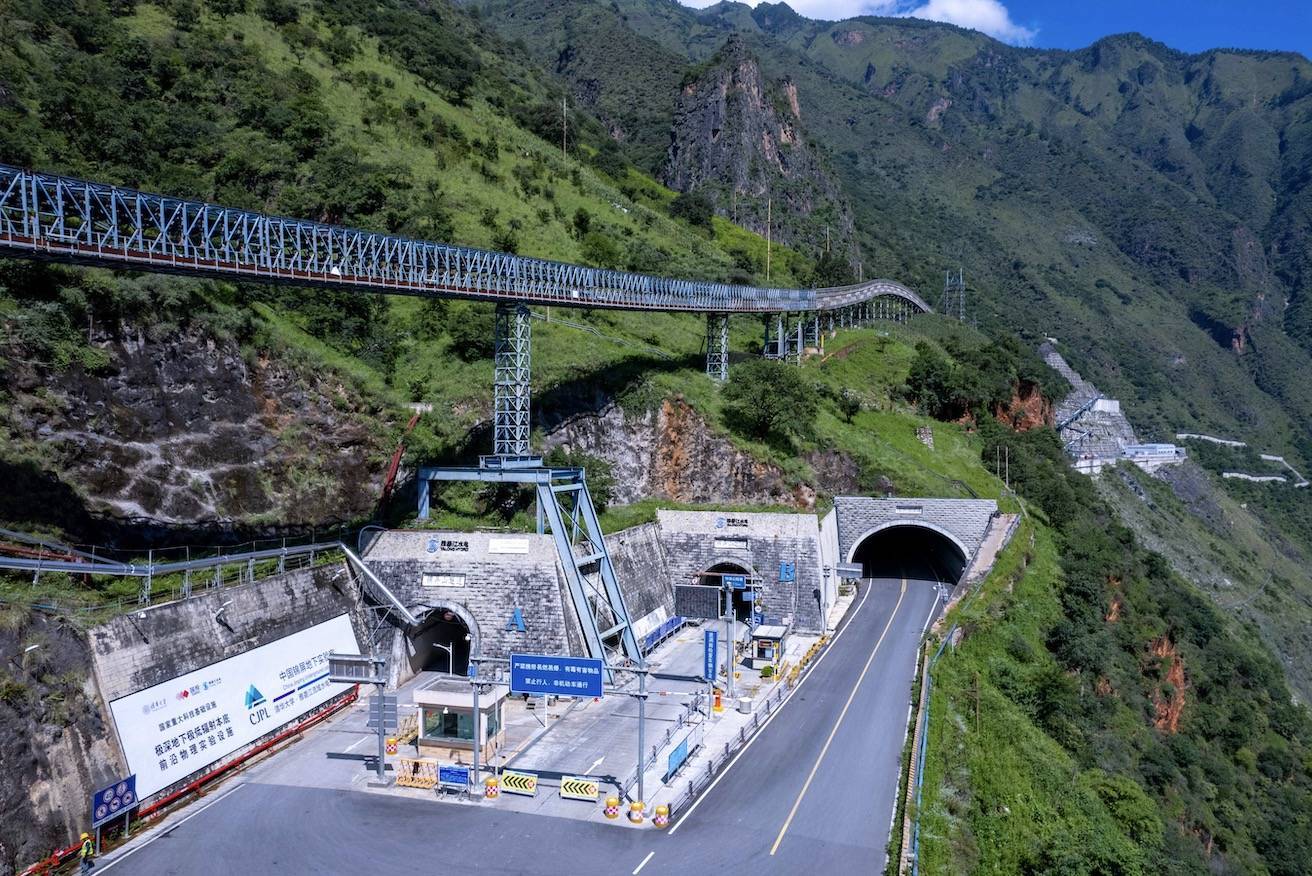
column 441, row 630
column 916, row 552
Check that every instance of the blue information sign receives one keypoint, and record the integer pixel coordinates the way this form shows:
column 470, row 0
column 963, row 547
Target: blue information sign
column 453, row 775
column 737, row 582
column 112, row 802
column 710, row 645
column 557, row 676
column 787, row 572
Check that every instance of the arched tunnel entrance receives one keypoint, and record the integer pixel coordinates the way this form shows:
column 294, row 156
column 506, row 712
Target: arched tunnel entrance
column 715, row 577
column 916, row 552
column 441, row 643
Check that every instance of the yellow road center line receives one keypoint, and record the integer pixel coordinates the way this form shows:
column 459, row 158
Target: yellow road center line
column 841, row 715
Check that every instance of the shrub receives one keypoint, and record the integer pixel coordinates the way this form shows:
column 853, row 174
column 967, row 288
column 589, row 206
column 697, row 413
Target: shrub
column 768, row 399
column 694, row 208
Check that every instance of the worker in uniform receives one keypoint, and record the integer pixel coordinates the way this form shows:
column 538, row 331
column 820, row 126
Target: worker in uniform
column 88, row 853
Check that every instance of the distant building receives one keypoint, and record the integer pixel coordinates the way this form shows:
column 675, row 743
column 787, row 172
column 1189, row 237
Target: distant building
column 1095, row 432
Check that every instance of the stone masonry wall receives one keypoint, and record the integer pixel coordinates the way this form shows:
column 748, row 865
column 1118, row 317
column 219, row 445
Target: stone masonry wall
column 644, row 575
column 495, row 584
column 772, row 539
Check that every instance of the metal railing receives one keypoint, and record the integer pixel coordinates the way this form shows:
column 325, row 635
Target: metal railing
column 68, row 219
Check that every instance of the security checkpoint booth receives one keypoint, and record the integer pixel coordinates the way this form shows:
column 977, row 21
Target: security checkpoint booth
column 767, row 645
column 446, row 719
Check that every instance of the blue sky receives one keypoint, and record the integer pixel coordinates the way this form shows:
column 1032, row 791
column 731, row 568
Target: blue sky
column 1189, row 25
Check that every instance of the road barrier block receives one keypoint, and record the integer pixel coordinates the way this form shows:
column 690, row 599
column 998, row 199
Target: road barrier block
column 661, row 817
column 409, row 729
column 412, row 773
column 635, row 811
column 491, row 788
column 525, row 784
column 390, row 747
column 612, row 809
column 579, row 788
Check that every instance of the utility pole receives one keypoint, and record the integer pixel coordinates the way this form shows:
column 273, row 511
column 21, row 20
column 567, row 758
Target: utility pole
column 767, row 239
column 642, row 724
column 826, row 238
column 564, row 125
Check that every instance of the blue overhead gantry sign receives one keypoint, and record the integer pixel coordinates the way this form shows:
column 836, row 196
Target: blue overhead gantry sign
column 555, row 676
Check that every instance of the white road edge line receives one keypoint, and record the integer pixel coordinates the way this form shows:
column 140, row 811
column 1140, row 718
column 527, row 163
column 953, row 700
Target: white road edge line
column 165, row 831
column 638, row 868
column 892, row 816
column 779, row 708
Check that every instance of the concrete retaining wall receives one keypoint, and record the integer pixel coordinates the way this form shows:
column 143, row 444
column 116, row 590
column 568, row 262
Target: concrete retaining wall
column 644, row 575
column 150, row 646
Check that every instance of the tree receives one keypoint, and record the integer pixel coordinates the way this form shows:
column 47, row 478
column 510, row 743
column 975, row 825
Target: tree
column 471, row 328
column 768, row 399
column 849, row 404
column 694, row 208
column 582, row 223
column 830, row 270
column 599, row 250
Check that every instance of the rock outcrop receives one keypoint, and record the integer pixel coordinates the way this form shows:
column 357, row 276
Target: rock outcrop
column 671, row 453
column 184, row 428
column 739, row 139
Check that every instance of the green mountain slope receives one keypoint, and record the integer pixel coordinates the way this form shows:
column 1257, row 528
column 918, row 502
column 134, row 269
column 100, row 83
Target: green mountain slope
column 1090, row 755
column 1147, row 207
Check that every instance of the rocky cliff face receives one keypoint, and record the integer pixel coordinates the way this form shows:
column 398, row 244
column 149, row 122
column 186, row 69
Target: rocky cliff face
column 55, row 748
column 671, row 453
column 184, row 428
column 740, row 140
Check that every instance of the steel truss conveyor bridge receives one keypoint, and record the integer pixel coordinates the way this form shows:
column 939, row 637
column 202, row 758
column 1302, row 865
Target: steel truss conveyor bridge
column 60, row 218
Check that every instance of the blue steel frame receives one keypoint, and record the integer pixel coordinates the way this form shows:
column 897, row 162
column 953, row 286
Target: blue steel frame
column 67, row 219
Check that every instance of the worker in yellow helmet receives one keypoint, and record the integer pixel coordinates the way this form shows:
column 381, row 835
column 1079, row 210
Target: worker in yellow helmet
column 88, row 853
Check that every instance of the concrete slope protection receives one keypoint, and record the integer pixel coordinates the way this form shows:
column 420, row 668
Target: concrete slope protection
column 815, row 789
column 66, row 219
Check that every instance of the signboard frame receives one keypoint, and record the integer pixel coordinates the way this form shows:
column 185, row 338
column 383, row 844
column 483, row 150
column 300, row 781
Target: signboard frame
column 694, row 600
column 544, row 674
column 244, row 697
column 447, row 776
column 117, row 800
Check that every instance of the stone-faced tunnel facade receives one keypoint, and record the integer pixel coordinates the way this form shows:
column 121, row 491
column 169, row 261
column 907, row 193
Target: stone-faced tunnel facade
column 963, row 522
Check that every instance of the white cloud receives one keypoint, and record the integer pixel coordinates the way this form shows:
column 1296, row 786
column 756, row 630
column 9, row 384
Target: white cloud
column 986, row 16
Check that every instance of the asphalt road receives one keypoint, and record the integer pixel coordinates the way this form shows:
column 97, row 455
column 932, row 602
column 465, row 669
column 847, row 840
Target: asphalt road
column 814, row 791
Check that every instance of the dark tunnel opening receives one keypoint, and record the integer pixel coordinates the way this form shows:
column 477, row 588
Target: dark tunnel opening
column 443, row 629
column 914, row 551
column 714, row 577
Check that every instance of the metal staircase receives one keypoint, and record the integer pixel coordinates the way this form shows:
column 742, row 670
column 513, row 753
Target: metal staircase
column 564, row 507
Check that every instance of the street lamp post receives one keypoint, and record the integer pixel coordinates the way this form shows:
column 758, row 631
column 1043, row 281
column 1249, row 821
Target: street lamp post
column 450, row 657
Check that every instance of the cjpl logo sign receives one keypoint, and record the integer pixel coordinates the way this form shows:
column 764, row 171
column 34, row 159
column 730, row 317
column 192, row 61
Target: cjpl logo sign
column 254, row 699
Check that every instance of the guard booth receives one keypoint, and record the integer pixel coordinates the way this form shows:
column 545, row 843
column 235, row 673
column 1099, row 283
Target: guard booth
column 767, row 645
column 446, row 720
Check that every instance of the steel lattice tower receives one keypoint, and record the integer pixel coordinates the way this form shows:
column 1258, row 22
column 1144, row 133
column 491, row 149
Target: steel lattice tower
column 717, row 346
column 953, row 302
column 510, row 394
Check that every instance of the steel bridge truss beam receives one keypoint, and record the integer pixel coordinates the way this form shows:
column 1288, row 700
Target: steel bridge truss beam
column 72, row 220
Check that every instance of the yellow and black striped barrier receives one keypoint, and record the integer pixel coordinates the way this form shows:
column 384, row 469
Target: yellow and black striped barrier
column 578, row 788
column 412, row 773
column 525, row 784
column 409, row 729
